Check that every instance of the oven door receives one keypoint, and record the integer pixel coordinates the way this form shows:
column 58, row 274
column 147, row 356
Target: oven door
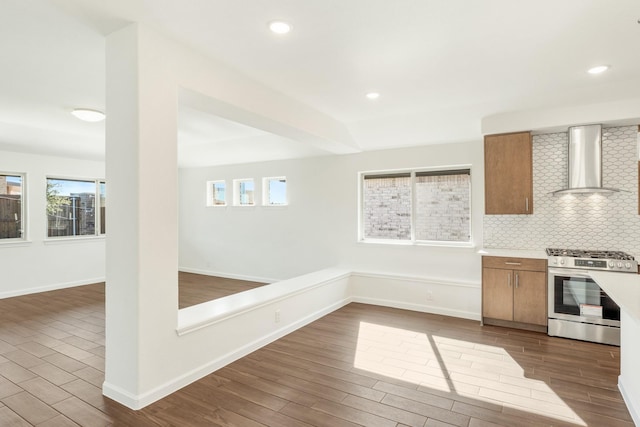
column 575, row 296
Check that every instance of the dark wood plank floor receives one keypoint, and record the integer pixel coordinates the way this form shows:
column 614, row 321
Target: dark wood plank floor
column 196, row 288
column 361, row 365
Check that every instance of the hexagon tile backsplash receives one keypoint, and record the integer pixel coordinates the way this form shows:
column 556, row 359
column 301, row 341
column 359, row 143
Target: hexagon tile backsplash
column 576, row 221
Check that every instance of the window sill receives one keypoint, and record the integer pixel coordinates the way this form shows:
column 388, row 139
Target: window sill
column 461, row 245
column 67, row 240
column 12, row 243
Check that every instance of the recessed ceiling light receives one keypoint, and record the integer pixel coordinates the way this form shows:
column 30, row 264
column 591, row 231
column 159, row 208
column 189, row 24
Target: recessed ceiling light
column 373, row 95
column 88, row 115
column 279, row 27
column 599, row 69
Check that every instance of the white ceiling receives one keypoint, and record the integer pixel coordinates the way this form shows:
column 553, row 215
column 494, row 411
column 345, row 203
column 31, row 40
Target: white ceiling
column 440, row 66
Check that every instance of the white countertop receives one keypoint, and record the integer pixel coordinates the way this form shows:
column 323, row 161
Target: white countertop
column 623, row 288
column 513, row 253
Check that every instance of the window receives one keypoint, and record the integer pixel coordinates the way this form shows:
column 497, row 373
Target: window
column 275, row 191
column 103, row 206
column 72, row 209
column 216, row 193
column 244, row 192
column 12, row 222
column 422, row 206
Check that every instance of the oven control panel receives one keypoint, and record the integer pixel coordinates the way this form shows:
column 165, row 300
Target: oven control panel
column 628, row 266
column 591, row 263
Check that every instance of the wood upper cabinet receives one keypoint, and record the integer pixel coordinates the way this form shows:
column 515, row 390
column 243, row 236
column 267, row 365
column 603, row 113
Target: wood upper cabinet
column 508, row 174
column 514, row 290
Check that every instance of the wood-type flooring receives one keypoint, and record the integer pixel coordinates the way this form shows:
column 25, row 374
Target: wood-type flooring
column 360, row 365
column 196, row 288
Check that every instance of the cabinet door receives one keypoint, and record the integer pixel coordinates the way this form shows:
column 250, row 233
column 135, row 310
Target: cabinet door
column 530, row 297
column 497, row 293
column 508, row 174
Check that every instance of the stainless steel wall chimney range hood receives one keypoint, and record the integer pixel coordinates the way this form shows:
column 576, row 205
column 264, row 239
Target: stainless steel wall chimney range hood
column 585, row 161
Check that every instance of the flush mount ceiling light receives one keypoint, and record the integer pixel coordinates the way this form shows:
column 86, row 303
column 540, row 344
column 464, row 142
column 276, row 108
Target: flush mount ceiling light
column 279, row 27
column 373, row 95
column 88, row 115
column 599, row 69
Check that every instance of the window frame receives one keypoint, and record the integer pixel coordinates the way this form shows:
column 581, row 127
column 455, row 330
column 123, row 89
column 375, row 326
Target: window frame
column 413, row 172
column 266, row 200
column 211, row 194
column 236, row 193
column 98, row 214
column 24, row 228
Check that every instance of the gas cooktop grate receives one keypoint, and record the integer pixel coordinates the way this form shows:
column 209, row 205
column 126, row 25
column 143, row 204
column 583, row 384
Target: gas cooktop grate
column 579, row 253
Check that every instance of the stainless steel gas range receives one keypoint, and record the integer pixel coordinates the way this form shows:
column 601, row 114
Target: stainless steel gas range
column 578, row 308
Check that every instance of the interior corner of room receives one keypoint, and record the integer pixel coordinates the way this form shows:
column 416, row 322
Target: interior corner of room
column 228, row 202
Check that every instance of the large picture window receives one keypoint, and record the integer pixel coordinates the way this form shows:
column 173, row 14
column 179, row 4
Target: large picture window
column 72, row 207
column 416, row 206
column 12, row 220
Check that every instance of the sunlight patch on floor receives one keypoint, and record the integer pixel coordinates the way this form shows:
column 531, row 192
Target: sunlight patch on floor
column 478, row 371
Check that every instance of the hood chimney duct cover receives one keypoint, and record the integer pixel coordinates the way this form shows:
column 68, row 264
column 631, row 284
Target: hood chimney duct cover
column 585, row 161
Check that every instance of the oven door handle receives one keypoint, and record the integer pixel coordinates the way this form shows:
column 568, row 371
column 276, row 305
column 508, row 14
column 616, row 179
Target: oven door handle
column 569, row 272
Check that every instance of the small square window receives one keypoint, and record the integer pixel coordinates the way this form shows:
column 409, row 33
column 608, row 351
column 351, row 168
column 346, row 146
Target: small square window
column 275, row 191
column 216, row 193
column 244, row 192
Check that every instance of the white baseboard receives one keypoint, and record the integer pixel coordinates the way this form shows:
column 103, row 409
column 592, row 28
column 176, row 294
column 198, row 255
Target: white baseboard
column 632, row 405
column 139, row 402
column 418, row 307
column 52, row 287
column 227, row 275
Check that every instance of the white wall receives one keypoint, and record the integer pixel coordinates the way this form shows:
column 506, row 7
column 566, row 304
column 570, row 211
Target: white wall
column 60, row 263
column 319, row 227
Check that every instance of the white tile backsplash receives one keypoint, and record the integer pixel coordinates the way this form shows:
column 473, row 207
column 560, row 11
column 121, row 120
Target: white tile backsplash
column 577, row 221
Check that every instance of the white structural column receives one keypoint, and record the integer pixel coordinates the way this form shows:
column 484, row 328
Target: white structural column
column 141, row 250
column 146, row 72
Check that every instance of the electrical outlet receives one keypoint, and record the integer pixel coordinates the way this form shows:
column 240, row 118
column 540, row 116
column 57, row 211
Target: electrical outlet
column 429, row 296
column 277, row 316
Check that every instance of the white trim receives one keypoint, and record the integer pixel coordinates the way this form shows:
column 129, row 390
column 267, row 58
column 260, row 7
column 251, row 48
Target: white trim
column 139, row 402
column 191, row 319
column 407, row 278
column 227, row 275
column 12, row 243
column 77, row 239
column 632, row 405
column 53, row 287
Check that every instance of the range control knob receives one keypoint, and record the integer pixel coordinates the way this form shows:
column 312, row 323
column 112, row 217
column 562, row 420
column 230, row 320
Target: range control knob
column 619, row 264
column 627, row 265
column 611, row 264
column 562, row 261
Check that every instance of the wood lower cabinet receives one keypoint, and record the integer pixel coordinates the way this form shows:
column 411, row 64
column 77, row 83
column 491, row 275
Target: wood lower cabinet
column 514, row 292
column 508, row 174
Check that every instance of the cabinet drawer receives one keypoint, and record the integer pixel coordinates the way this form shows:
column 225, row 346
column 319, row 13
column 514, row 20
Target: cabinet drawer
column 508, row 263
